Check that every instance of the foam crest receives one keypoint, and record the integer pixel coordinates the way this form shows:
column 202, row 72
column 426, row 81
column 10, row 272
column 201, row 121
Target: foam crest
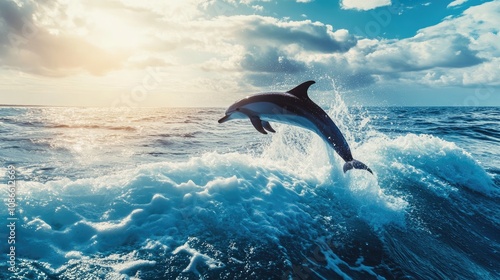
column 197, row 259
column 342, row 268
column 441, row 165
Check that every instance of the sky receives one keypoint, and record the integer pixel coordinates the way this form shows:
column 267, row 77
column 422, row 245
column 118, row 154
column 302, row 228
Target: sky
column 197, row 53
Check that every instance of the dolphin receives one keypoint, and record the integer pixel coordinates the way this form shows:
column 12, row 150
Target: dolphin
column 296, row 108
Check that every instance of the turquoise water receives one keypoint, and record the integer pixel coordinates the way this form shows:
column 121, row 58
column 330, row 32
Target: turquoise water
column 171, row 194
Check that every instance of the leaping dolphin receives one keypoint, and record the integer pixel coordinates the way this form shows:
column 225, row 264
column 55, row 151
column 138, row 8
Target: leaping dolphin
column 296, row 108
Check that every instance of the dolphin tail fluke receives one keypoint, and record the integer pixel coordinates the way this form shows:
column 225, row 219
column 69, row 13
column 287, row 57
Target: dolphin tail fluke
column 356, row 164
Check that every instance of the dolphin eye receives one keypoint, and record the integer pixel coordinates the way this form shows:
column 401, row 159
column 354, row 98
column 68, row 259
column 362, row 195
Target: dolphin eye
column 237, row 109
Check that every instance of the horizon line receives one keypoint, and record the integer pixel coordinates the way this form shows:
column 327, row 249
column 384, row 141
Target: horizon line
column 194, row 107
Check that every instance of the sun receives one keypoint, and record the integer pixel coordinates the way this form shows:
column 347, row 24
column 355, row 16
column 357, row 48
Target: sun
column 116, row 33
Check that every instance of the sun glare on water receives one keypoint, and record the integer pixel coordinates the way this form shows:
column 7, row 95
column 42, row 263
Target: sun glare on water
column 87, row 133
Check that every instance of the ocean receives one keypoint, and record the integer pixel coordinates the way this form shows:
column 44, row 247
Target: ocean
column 163, row 193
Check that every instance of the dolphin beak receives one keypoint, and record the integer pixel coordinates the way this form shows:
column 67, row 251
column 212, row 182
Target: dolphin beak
column 224, row 119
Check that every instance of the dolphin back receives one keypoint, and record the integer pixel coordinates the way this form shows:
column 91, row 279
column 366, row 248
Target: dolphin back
column 356, row 164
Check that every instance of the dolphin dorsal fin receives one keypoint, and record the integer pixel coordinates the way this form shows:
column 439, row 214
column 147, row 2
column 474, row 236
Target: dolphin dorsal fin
column 301, row 90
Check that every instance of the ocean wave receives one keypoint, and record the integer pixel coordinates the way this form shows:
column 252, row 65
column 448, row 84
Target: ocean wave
column 89, row 126
column 277, row 208
column 212, row 192
column 442, row 164
column 242, row 196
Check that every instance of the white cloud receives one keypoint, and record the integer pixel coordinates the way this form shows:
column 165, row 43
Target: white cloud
column 468, row 46
column 460, row 51
column 422, row 53
column 61, row 38
column 258, row 8
column 456, row 3
column 261, row 32
column 246, row 2
column 363, row 5
column 33, row 44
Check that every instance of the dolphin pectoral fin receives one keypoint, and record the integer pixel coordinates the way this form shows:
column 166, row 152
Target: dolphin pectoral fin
column 257, row 123
column 268, row 126
column 356, row 164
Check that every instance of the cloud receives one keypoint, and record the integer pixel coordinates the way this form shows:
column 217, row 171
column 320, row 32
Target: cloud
column 363, row 5
column 258, row 8
column 478, row 27
column 271, row 61
column 456, row 3
column 460, row 51
column 422, row 52
column 266, row 48
column 31, row 47
column 308, row 35
column 142, row 62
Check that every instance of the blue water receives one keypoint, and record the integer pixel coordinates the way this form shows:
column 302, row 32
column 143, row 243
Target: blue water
column 171, row 194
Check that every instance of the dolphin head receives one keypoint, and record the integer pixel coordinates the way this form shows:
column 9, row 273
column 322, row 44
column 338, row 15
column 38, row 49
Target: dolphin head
column 233, row 112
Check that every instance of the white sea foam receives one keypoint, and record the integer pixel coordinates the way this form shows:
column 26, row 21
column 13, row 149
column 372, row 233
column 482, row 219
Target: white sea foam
column 442, row 166
column 247, row 195
column 197, row 259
